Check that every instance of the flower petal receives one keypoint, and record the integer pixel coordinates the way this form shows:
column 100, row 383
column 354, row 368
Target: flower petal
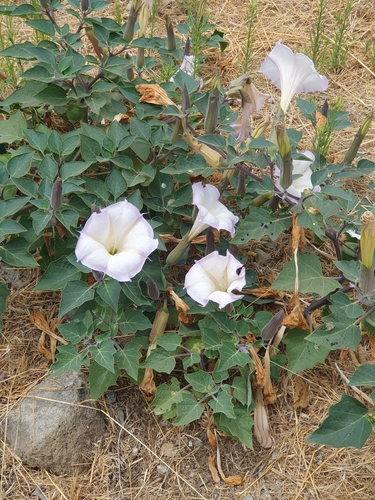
column 214, row 278
column 291, row 73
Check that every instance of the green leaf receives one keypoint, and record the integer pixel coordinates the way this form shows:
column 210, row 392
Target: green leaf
column 103, row 354
column 239, row 427
column 302, row 353
column 222, row 402
column 37, row 140
column 166, row 397
column 213, row 140
column 229, row 356
column 16, row 253
column 132, row 291
column 4, row 293
column 364, row 376
column 310, row 277
column 241, row 390
column 258, row 224
column 67, row 360
column 73, row 168
column 48, row 168
column 58, row 275
column 100, row 379
column 128, row 359
column 43, row 25
column 135, row 321
column 160, row 360
column 40, row 220
column 346, row 425
column 139, row 128
column 53, row 95
column 200, row 381
column 74, row 295
column 110, row 293
column 10, row 227
column 169, row 341
column 67, row 217
column 350, row 269
column 260, row 143
column 116, row 184
column 12, row 130
column 188, row 410
column 10, row 207
column 19, row 165
column 74, row 331
column 339, row 330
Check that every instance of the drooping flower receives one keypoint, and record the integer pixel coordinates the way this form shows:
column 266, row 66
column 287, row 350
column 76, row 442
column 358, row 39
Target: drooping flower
column 303, row 182
column 116, row 241
column 211, row 212
column 291, row 73
column 215, row 277
column 251, row 102
column 261, row 426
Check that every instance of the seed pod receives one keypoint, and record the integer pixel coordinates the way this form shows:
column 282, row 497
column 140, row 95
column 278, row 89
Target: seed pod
column 56, row 195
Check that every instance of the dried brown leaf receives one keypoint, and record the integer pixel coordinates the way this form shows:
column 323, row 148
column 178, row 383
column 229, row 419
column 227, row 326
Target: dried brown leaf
column 260, row 373
column 213, row 470
column 211, row 438
column 301, row 394
column 168, row 450
column 148, row 384
column 233, row 480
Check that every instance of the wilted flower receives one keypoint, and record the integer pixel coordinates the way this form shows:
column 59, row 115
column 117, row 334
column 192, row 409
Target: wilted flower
column 215, row 277
column 303, row 182
column 291, row 73
column 116, row 241
column 261, row 427
column 211, row 212
column 251, row 102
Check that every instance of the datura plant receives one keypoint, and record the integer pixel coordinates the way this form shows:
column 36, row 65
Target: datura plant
column 144, row 207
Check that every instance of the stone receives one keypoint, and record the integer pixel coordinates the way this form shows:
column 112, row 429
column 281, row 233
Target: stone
column 55, row 426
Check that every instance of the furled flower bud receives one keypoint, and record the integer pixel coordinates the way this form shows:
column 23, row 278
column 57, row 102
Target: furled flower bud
column 270, row 329
column 367, row 245
column 210, row 119
column 56, row 195
column 130, row 23
column 140, row 58
column 152, row 289
column 241, row 188
column 45, row 4
column 129, row 71
column 94, row 42
column 367, row 241
column 286, row 167
column 171, row 40
column 357, row 141
column 99, row 276
column 85, row 5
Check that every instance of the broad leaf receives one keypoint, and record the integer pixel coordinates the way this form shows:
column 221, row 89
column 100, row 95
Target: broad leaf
column 135, row 321
column 16, row 253
column 128, row 359
column 110, row 292
column 301, row 353
column 310, row 277
column 58, row 275
column 160, row 360
column 103, row 354
column 239, row 427
column 364, row 375
column 200, row 381
column 169, row 341
column 258, row 224
column 167, row 396
column 67, row 360
column 12, row 130
column 100, row 379
column 222, row 402
column 229, row 356
column 74, row 295
column 4, row 293
column 188, row 410
column 346, row 425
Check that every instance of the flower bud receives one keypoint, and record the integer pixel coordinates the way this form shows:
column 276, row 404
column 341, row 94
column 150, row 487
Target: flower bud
column 233, row 249
column 45, row 4
column 260, row 129
column 286, row 167
column 357, row 141
column 152, row 289
column 56, row 195
column 140, row 58
column 143, row 18
column 98, row 276
column 210, row 119
column 159, row 325
column 85, row 5
column 95, row 209
column 367, row 242
column 185, row 102
column 270, row 329
column 171, row 40
column 94, row 42
column 128, row 32
column 177, row 131
column 129, row 71
column 325, row 108
column 175, row 255
column 241, row 188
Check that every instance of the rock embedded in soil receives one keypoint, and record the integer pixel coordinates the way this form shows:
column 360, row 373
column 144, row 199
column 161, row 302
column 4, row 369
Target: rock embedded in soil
column 55, row 427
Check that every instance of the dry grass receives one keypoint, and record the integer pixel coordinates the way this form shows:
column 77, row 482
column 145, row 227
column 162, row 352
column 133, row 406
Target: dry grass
column 124, row 465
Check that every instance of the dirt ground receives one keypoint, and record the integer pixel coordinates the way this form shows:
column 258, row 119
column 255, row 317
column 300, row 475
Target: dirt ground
column 150, row 458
